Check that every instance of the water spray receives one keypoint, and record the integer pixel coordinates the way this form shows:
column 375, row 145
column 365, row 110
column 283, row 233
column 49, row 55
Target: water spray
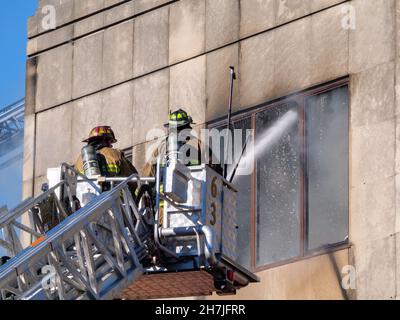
column 265, row 141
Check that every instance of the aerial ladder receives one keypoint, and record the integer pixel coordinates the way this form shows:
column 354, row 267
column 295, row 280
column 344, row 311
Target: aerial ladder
column 110, row 245
column 11, row 121
column 11, row 134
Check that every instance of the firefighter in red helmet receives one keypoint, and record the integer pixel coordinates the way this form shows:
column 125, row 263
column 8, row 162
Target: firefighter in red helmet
column 112, row 162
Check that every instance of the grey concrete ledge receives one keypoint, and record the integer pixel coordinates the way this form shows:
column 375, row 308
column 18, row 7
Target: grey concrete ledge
column 70, row 13
column 96, row 22
column 171, row 65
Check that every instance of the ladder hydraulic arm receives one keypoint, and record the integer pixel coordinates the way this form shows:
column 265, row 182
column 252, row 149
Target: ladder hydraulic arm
column 92, row 254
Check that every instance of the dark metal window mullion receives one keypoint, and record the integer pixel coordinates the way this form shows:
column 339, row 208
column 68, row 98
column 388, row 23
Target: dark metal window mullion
column 303, row 178
column 253, row 224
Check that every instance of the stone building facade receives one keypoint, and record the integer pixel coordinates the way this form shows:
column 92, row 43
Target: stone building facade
column 127, row 63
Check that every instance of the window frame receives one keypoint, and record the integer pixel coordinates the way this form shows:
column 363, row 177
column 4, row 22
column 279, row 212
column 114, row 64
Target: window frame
column 300, row 98
column 128, row 152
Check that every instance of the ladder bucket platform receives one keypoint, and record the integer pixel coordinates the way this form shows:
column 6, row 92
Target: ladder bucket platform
column 166, row 285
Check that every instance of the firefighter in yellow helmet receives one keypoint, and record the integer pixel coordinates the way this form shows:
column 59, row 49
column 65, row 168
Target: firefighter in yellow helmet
column 189, row 147
column 178, row 122
column 181, row 123
column 112, row 162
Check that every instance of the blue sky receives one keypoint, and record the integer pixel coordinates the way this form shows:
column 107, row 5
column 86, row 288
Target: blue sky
column 13, row 36
column 13, row 33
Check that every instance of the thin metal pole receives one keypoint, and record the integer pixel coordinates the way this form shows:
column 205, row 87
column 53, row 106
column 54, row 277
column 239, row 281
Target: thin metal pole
column 232, row 80
column 239, row 160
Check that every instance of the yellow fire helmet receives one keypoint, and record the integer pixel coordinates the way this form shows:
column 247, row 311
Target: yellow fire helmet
column 179, row 119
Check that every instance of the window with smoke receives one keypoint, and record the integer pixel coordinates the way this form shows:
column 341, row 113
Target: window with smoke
column 295, row 201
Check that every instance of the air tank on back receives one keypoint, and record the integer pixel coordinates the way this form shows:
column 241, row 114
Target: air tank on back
column 91, row 166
